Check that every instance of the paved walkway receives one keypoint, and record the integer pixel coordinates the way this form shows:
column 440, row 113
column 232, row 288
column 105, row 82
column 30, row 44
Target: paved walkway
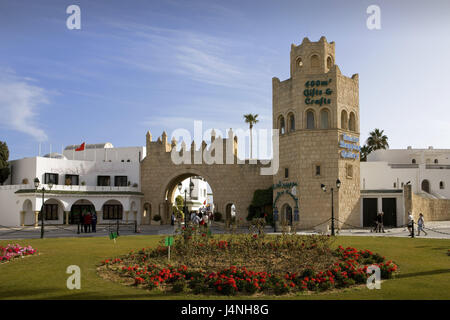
column 435, row 229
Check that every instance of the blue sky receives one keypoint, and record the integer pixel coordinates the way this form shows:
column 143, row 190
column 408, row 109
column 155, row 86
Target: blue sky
column 158, row 65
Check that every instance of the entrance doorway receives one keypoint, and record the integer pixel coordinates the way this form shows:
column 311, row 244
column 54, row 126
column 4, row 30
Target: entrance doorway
column 426, row 186
column 390, row 212
column 287, row 210
column 370, row 210
column 78, row 210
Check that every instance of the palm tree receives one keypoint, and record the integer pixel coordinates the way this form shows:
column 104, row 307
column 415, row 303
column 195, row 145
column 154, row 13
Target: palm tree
column 365, row 150
column 377, row 140
column 251, row 119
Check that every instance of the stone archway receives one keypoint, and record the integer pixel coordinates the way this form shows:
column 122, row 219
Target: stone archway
column 28, row 216
column 146, row 213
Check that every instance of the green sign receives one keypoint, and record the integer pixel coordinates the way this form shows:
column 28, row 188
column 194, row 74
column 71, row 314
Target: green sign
column 313, row 92
column 112, row 235
column 169, row 241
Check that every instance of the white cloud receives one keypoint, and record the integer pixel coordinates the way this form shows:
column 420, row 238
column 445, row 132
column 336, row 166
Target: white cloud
column 19, row 104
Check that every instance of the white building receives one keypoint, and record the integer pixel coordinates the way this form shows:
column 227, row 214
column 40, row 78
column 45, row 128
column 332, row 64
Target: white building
column 199, row 198
column 386, row 172
column 101, row 179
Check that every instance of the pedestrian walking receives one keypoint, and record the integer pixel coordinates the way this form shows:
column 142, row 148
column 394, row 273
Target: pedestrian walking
column 94, row 222
column 380, row 222
column 410, row 223
column 421, row 225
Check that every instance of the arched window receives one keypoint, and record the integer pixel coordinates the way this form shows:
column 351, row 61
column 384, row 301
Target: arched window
column 310, row 120
column 426, row 186
column 441, row 185
column 344, row 119
column 315, row 61
column 281, row 125
column 413, row 161
column 291, row 122
column 436, row 161
column 324, row 119
column 329, row 62
column 352, row 122
column 299, row 62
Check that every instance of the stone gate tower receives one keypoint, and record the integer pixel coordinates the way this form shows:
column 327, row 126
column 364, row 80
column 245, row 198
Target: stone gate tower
column 316, row 112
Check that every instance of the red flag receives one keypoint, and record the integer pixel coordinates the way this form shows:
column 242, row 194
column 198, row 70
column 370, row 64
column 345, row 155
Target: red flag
column 81, row 148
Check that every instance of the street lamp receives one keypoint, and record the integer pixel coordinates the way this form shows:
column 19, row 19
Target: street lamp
column 191, row 187
column 324, row 188
column 50, row 186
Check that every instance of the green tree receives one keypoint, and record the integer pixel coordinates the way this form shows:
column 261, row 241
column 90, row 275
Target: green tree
column 365, row 150
column 377, row 140
column 4, row 164
column 251, row 119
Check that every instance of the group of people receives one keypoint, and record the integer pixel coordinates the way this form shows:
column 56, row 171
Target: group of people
column 197, row 218
column 420, row 224
column 88, row 222
column 379, row 227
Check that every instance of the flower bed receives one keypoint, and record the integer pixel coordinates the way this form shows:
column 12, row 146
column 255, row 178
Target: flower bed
column 324, row 268
column 12, row 251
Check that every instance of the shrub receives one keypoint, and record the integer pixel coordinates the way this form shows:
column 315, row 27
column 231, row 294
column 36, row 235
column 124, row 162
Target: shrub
column 179, row 285
column 156, row 217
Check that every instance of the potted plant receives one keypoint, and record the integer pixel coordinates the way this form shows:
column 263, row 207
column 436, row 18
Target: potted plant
column 156, row 219
column 25, row 181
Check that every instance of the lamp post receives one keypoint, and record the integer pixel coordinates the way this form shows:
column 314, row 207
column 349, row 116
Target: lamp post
column 191, row 187
column 324, row 188
column 50, row 186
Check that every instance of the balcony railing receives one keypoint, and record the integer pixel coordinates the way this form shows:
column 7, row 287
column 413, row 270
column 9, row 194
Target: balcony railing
column 404, row 165
column 71, row 188
column 437, row 166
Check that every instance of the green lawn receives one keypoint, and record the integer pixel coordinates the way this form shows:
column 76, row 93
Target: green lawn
column 423, row 263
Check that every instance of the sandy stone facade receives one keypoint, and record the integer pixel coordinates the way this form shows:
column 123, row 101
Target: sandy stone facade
column 432, row 209
column 230, row 183
column 316, row 112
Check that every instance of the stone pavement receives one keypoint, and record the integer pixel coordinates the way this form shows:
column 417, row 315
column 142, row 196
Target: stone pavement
column 435, row 229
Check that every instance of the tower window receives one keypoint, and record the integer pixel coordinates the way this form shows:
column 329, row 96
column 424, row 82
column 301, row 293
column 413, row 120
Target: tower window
column 329, row 62
column 291, row 121
column 310, row 120
column 299, row 62
column 281, row 125
column 317, row 170
column 352, row 122
column 315, row 61
column 441, row 185
column 286, row 172
column 324, row 121
column 413, row 161
column 349, row 171
column 344, row 119
column 436, row 161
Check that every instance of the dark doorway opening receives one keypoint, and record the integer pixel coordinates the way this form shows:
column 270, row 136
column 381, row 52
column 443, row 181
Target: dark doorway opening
column 390, row 212
column 370, row 210
column 77, row 210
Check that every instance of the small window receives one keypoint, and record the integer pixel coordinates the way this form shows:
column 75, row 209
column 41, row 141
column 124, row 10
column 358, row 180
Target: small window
column 329, row 62
column 299, row 62
column 317, row 170
column 441, row 185
column 402, row 184
column 436, row 161
column 112, row 212
column 72, row 180
column 310, row 120
column 286, row 172
column 120, row 181
column 103, row 181
column 291, row 122
column 281, row 125
column 349, row 171
column 50, row 212
column 395, row 185
column 413, row 161
column 122, row 160
column 344, row 119
column 324, row 124
column 128, row 160
column 51, row 177
column 315, row 61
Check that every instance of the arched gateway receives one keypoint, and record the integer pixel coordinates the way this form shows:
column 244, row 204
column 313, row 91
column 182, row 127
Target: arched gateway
column 230, row 181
